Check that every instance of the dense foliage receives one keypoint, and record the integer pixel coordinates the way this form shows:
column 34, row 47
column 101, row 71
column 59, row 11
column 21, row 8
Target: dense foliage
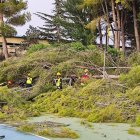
column 96, row 101
column 12, row 13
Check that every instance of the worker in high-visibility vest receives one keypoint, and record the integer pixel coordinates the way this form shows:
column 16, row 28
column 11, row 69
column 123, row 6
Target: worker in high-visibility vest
column 29, row 81
column 58, row 81
column 85, row 77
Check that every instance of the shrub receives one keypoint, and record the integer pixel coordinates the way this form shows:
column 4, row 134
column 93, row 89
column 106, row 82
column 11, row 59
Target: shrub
column 105, row 115
column 134, row 59
column 133, row 132
column 132, row 78
column 138, row 120
column 77, row 46
column 67, row 112
column 134, row 94
column 36, row 47
column 92, row 47
column 2, row 116
column 61, row 133
column 48, row 87
column 26, row 128
column 92, row 56
column 113, row 52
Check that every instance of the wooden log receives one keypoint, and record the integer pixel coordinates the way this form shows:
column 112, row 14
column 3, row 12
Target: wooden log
column 109, row 76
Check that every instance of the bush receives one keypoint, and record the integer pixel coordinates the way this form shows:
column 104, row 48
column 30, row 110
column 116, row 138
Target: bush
column 61, row 133
column 92, row 56
column 48, row 87
column 2, row 116
column 92, row 47
column 77, row 46
column 131, row 79
column 134, row 94
column 138, row 120
column 26, row 128
column 107, row 114
column 113, row 52
column 134, row 59
column 133, row 132
column 36, row 47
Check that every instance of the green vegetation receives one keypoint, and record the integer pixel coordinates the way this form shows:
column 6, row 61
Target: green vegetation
column 132, row 78
column 133, row 132
column 63, row 58
column 13, row 12
column 26, row 128
column 138, row 120
column 36, row 47
column 2, row 116
column 78, row 46
column 62, row 133
column 99, row 100
column 87, row 102
column 42, row 130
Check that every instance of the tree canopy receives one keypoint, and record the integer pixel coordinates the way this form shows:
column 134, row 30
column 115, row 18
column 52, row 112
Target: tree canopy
column 12, row 13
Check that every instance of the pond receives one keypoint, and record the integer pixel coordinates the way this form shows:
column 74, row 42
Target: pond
column 99, row 131
column 11, row 134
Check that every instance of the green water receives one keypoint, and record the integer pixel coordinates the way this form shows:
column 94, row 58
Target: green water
column 99, row 131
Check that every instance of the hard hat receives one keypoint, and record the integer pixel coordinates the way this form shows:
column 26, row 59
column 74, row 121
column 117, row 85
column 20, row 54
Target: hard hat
column 58, row 73
column 86, row 70
column 9, row 82
column 29, row 74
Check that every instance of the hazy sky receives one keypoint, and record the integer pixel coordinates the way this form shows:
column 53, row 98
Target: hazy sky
column 33, row 7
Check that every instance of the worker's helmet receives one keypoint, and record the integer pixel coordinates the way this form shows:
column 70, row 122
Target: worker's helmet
column 58, row 74
column 86, row 70
column 9, row 82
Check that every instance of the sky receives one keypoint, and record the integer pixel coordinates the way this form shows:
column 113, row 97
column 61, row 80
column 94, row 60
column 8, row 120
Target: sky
column 34, row 6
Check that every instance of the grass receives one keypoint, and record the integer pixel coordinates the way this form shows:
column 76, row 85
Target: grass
column 26, row 128
column 133, row 132
column 137, row 122
column 61, row 133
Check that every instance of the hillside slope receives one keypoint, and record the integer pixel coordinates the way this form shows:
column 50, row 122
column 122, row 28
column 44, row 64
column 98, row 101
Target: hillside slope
column 97, row 101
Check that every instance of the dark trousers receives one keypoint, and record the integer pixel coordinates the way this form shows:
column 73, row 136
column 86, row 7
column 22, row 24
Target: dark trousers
column 59, row 87
column 28, row 85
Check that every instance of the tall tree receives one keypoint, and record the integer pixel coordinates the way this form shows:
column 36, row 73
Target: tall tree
column 52, row 29
column 32, row 35
column 101, row 12
column 115, row 24
column 11, row 14
column 136, row 29
column 67, row 23
column 79, row 17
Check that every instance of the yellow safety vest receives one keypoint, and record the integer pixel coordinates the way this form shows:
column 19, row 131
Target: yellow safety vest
column 29, row 80
column 58, row 82
column 108, row 32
